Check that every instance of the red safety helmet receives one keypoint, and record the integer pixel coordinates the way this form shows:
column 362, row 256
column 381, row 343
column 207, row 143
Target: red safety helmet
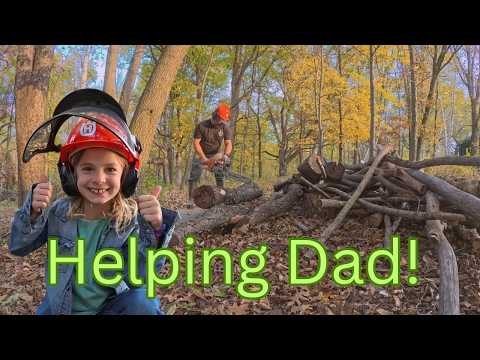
column 223, row 112
column 101, row 123
column 88, row 134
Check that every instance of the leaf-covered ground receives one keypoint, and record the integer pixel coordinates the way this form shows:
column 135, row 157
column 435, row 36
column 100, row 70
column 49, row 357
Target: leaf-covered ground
column 22, row 279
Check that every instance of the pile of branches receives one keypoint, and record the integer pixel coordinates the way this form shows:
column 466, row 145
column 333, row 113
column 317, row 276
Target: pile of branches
column 387, row 189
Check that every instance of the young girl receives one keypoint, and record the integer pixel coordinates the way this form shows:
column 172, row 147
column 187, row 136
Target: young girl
column 99, row 171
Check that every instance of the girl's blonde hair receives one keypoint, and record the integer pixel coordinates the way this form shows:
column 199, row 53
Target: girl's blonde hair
column 123, row 210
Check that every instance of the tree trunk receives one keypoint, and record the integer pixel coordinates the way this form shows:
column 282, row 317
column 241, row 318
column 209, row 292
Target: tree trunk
column 259, row 134
column 109, row 82
column 85, row 62
column 300, row 138
column 372, row 106
column 278, row 206
column 318, row 96
column 34, row 65
column 11, row 169
column 340, row 115
column 282, row 161
column 204, row 220
column 167, row 140
column 426, row 112
column 178, row 170
column 130, row 78
column 467, row 203
column 155, row 96
column 475, row 137
column 240, row 64
column 244, row 143
column 438, row 63
column 413, row 107
column 435, row 125
column 471, row 79
column 447, row 160
column 201, row 74
column 449, row 302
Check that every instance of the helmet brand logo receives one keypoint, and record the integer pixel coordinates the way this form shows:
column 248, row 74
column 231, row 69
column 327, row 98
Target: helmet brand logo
column 88, row 128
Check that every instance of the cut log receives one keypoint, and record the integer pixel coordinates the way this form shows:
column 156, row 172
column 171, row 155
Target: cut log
column 207, row 196
column 205, row 220
column 449, row 303
column 334, row 171
column 316, row 201
column 409, row 181
column 277, row 207
column 393, row 188
column 313, row 169
column 393, row 199
column 448, row 160
column 335, row 185
column 467, row 203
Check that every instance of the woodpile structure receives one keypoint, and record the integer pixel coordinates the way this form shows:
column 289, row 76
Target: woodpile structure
column 387, row 190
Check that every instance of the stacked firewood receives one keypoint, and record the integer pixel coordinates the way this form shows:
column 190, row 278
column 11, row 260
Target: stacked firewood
column 390, row 190
column 387, row 189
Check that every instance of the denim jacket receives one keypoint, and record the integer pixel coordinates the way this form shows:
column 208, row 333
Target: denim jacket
column 27, row 236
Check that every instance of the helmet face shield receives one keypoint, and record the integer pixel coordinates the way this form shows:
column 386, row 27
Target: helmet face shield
column 40, row 142
column 52, row 134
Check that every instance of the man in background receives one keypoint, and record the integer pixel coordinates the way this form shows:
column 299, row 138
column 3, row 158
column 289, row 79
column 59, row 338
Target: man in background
column 207, row 141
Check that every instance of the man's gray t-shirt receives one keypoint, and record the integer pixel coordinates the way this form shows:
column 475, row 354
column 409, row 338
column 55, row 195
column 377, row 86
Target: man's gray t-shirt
column 212, row 136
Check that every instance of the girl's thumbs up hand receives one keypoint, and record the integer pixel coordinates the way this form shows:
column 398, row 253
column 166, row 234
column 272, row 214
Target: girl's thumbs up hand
column 149, row 207
column 41, row 195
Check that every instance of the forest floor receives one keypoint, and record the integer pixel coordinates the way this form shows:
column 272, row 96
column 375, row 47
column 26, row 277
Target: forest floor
column 22, row 283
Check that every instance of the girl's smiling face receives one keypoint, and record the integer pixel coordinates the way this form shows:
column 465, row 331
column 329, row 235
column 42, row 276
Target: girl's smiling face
column 99, row 174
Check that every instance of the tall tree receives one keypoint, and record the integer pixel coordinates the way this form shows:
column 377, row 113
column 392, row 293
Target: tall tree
column 413, row 107
column 340, row 113
column 468, row 63
column 131, row 76
column 441, row 57
column 317, row 94
column 109, row 84
column 243, row 57
column 85, row 62
column 371, row 149
column 34, row 65
column 201, row 67
column 154, row 97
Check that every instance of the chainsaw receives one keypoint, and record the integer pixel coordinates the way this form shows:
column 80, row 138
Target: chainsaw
column 222, row 166
column 225, row 169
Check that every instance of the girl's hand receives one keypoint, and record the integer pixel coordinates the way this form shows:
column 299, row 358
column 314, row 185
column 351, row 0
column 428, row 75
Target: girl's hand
column 41, row 198
column 149, row 207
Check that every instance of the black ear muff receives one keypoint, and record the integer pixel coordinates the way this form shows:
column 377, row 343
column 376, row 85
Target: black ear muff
column 67, row 179
column 130, row 181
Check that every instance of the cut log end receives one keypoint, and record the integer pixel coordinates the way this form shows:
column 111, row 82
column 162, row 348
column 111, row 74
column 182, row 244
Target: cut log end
column 334, row 171
column 313, row 169
column 207, row 196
